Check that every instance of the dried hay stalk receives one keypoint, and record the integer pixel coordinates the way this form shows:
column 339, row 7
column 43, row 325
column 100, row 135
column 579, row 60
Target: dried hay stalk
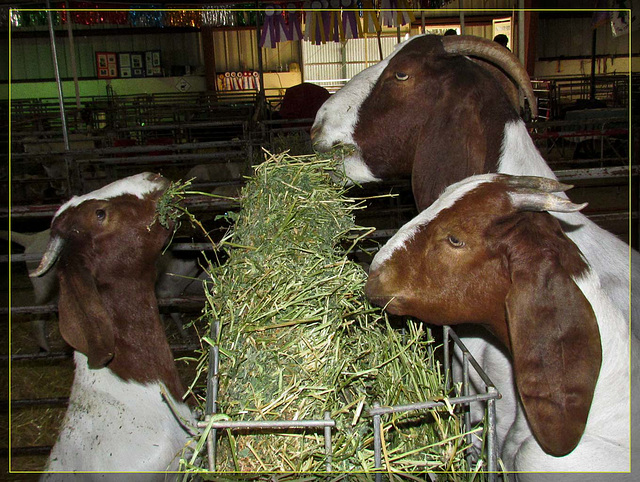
column 298, row 338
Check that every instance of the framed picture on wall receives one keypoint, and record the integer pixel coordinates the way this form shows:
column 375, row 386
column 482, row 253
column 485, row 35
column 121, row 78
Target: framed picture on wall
column 136, row 60
column 106, row 65
column 124, row 64
column 152, row 63
column 137, row 64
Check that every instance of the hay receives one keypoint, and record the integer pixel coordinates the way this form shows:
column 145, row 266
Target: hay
column 298, row 338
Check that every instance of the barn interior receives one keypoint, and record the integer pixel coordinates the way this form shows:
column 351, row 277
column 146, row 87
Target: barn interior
column 97, row 91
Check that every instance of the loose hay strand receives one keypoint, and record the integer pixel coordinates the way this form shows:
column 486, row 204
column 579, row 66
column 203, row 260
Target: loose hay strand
column 298, row 338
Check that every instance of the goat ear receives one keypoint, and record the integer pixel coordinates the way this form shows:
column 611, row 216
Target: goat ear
column 83, row 319
column 555, row 344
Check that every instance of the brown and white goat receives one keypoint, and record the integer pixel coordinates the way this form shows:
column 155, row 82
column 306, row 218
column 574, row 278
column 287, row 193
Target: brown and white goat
column 175, row 275
column 487, row 252
column 106, row 245
column 430, row 113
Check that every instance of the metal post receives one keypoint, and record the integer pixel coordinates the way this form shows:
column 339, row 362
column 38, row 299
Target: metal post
column 377, row 443
column 592, row 84
column 447, row 358
column 260, row 66
column 65, row 135
column 461, row 19
column 212, row 394
column 467, row 408
column 328, row 449
column 492, row 457
column 56, row 71
column 72, row 58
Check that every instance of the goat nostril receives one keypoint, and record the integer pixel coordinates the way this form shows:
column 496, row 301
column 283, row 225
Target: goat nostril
column 373, row 273
column 315, row 131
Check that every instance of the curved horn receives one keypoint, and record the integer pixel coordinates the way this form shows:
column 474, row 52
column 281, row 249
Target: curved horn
column 495, row 53
column 54, row 248
column 537, row 183
column 542, row 201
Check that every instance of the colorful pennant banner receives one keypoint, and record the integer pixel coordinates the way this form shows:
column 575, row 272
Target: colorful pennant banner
column 324, row 20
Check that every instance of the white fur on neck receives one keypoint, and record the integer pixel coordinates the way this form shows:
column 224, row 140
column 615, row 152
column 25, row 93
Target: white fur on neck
column 138, row 185
column 113, row 425
column 519, row 155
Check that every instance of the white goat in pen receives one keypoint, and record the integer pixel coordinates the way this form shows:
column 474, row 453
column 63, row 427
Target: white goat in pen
column 487, row 252
column 106, row 244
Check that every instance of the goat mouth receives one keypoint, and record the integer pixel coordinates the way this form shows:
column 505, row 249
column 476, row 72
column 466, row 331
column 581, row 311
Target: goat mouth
column 390, row 304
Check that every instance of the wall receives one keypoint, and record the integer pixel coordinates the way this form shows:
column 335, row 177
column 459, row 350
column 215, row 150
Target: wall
column 98, row 87
column 31, row 58
column 275, row 84
column 236, row 50
column 564, row 48
column 582, row 67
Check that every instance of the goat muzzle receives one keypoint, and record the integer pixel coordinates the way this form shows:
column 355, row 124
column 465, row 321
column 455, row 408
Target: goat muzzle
column 51, row 254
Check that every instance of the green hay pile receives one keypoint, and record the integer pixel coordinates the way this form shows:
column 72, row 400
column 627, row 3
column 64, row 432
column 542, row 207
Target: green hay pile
column 298, row 338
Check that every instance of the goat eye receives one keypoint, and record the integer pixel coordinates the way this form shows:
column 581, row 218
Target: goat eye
column 101, row 214
column 455, row 242
column 402, row 76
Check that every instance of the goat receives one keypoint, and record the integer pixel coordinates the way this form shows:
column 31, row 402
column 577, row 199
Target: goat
column 106, row 244
column 488, row 252
column 174, row 276
column 430, row 113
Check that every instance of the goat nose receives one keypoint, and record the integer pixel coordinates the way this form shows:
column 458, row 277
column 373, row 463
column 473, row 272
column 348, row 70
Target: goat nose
column 316, row 129
column 319, row 145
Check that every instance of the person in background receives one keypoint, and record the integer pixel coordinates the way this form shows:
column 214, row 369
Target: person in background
column 502, row 39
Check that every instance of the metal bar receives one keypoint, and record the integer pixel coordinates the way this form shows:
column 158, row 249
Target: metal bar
column 485, row 378
column 597, row 173
column 68, row 355
column 183, row 303
column 141, row 149
column 268, row 425
column 48, row 210
column 447, row 357
column 72, row 58
column 21, row 257
column 212, row 393
column 492, row 438
column 56, row 71
column 377, row 441
column 433, row 404
column 467, row 412
column 209, row 156
column 328, row 449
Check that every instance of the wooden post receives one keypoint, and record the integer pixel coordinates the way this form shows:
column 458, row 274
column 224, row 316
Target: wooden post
column 208, row 53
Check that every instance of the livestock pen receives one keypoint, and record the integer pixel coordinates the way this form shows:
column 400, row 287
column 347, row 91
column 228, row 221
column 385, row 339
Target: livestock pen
column 605, row 182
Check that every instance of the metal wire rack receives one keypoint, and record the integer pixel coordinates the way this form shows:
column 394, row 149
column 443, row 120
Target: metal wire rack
column 376, row 413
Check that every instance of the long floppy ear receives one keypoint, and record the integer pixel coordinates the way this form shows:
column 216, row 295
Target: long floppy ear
column 556, row 351
column 84, row 322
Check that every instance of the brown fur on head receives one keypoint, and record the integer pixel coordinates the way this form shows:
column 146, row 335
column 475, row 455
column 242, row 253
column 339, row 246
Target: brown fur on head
column 107, row 308
column 444, row 122
column 485, row 261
